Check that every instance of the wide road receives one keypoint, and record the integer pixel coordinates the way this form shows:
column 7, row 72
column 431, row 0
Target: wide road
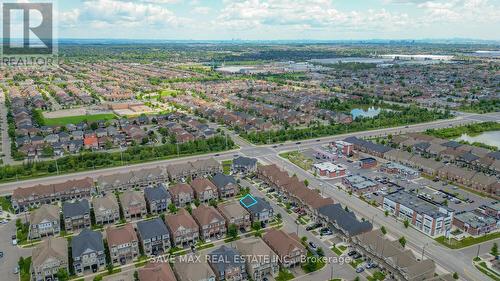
column 251, row 150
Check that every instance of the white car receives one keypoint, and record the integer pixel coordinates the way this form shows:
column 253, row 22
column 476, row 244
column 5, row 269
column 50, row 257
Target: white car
column 14, row 240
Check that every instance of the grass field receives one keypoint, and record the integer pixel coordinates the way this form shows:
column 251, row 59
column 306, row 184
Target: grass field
column 77, row 119
column 455, row 244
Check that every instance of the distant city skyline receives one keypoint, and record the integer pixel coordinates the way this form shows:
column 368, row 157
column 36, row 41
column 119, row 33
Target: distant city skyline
column 278, row 19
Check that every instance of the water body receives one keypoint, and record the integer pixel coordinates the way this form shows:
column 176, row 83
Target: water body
column 370, row 112
column 489, row 138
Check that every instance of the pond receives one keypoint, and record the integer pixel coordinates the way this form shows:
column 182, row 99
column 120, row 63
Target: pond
column 489, row 138
column 370, row 112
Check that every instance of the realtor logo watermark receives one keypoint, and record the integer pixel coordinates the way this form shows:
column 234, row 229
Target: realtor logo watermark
column 28, row 35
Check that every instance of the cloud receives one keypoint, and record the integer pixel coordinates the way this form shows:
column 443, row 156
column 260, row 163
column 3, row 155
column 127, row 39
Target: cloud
column 314, row 14
column 102, row 13
column 202, row 10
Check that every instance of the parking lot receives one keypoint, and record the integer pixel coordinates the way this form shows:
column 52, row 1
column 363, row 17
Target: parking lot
column 438, row 191
column 11, row 253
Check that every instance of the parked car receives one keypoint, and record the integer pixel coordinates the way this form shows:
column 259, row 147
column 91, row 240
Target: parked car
column 1, row 254
column 326, row 231
column 313, row 246
column 352, row 253
column 16, row 270
column 360, row 269
column 14, row 240
column 356, row 256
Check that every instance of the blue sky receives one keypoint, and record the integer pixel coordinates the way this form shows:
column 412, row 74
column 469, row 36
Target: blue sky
column 279, row 19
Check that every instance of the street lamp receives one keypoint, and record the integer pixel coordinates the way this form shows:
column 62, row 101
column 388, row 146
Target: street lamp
column 423, row 250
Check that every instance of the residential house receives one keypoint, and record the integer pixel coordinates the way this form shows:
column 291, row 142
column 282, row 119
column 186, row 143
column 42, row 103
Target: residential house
column 133, row 204
column 343, row 220
column 260, row 210
column 286, row 246
column 259, row 268
column 235, row 214
column 399, row 262
column 48, row 257
column 123, row 244
column 87, row 250
column 34, row 196
column 227, row 265
column 183, row 228
column 106, row 209
column 156, row 271
column 187, row 270
column 204, row 190
column 44, row 222
column 211, row 223
column 244, row 165
column 154, row 236
column 226, row 185
column 182, row 194
column 76, row 215
column 157, row 199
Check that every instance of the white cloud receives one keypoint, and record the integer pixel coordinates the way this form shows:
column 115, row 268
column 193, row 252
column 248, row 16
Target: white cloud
column 102, row 13
column 315, row 14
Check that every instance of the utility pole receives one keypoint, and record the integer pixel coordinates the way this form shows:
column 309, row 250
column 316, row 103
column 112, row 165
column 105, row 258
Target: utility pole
column 478, row 248
column 423, row 250
column 57, row 167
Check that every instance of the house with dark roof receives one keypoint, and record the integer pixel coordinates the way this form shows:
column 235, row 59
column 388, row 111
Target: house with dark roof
column 342, row 220
column 153, row 236
column 157, row 199
column 227, row 264
column 368, row 146
column 260, row 210
column 226, row 185
column 87, row 250
column 76, row 215
column 244, row 165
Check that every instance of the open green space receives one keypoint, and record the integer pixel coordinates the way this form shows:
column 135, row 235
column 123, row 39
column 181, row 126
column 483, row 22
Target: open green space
column 226, row 166
column 78, row 119
column 394, row 117
column 24, row 269
column 471, row 130
column 468, row 241
column 298, row 159
column 481, row 266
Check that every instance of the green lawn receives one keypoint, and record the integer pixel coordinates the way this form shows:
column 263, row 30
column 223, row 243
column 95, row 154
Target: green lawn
column 377, row 276
column 6, row 204
column 226, row 166
column 24, row 268
column 455, row 244
column 336, row 250
column 486, row 270
column 284, row 276
column 298, row 159
column 357, row 262
column 77, row 119
column 313, row 263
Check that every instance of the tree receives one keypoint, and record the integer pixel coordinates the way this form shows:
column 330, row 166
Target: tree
column 306, row 182
column 172, row 208
column 406, row 223
column 197, row 202
column 320, row 252
column 136, row 276
column 386, row 213
column 402, row 241
column 384, row 231
column 494, row 249
column 232, row 231
column 62, row 274
column 455, row 275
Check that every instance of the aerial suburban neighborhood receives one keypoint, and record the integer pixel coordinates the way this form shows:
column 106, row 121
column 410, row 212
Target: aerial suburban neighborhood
column 261, row 140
